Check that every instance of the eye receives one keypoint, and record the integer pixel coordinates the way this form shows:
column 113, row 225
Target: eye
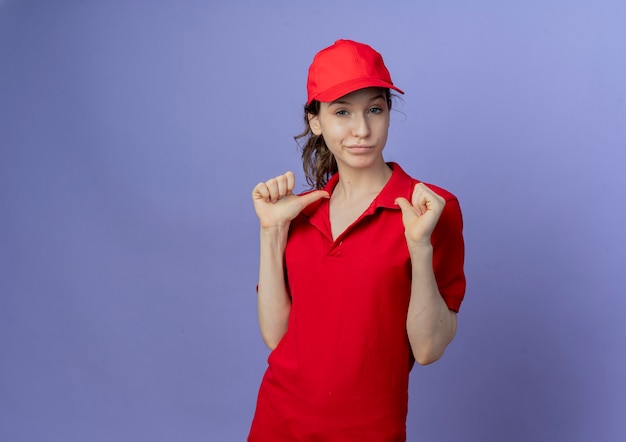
column 341, row 112
column 376, row 110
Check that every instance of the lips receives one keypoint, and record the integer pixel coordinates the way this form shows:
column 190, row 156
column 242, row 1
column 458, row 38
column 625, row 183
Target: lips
column 359, row 148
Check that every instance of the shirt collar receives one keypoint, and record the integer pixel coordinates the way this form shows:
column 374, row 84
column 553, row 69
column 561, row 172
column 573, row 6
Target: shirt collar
column 399, row 185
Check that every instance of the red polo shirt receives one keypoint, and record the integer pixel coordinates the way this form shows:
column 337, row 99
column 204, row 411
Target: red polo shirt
column 341, row 371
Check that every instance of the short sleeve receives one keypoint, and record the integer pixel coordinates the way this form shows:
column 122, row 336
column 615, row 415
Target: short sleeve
column 449, row 254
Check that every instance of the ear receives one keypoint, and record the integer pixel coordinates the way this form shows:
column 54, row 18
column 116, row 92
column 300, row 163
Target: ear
column 314, row 122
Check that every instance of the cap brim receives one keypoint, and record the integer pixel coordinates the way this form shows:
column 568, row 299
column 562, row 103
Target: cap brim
column 347, row 87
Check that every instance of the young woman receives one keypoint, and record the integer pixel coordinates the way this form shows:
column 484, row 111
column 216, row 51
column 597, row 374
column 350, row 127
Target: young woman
column 358, row 278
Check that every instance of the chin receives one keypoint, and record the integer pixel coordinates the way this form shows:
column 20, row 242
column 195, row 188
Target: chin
column 363, row 161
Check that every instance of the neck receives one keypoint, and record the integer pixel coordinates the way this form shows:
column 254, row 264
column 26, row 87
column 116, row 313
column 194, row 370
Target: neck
column 358, row 183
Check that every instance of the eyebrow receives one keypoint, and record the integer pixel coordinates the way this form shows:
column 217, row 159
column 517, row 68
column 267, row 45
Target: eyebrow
column 377, row 97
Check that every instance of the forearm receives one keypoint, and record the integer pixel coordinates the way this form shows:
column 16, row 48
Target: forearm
column 431, row 326
column 274, row 303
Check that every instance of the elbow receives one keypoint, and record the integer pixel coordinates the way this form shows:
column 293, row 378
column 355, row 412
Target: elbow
column 272, row 332
column 271, row 340
column 428, row 347
column 427, row 357
column 429, row 350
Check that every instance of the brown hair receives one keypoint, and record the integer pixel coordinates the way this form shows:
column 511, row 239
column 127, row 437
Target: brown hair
column 317, row 161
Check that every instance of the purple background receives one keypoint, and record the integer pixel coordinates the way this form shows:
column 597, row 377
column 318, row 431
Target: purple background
column 132, row 133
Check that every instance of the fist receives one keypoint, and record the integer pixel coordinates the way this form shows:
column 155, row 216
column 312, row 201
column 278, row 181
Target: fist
column 420, row 216
column 274, row 201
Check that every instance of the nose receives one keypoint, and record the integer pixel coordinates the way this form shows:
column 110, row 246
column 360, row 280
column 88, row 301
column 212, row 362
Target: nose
column 360, row 127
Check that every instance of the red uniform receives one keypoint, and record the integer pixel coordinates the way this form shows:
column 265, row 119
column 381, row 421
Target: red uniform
column 341, row 371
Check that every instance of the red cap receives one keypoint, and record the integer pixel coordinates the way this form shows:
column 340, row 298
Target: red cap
column 345, row 67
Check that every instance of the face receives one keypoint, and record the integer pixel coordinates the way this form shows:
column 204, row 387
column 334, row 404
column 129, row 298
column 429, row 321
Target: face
column 355, row 127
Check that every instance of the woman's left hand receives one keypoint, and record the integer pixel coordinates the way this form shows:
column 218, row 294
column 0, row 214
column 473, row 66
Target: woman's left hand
column 420, row 216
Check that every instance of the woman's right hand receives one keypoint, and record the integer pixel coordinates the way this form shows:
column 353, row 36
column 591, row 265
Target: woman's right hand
column 276, row 205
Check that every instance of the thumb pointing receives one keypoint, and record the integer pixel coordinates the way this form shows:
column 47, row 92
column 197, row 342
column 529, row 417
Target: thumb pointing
column 408, row 210
column 310, row 198
column 404, row 204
